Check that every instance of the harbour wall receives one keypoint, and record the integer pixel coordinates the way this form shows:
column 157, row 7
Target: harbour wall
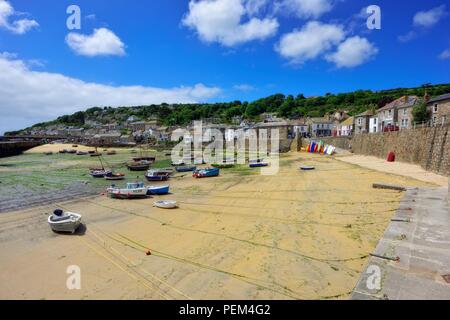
column 428, row 147
column 12, row 148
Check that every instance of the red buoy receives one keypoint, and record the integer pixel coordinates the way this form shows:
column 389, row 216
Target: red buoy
column 391, row 157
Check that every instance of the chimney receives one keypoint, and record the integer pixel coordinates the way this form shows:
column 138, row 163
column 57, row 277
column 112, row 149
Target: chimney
column 426, row 97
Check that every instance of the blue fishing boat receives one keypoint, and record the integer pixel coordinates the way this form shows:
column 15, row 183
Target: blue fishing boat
column 258, row 165
column 186, row 169
column 157, row 190
column 157, row 175
column 206, row 173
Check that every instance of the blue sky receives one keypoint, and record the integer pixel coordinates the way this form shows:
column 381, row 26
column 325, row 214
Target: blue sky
column 132, row 52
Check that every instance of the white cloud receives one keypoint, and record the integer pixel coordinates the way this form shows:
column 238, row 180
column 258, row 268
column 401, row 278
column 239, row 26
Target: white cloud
column 313, row 40
column 221, row 21
column 254, row 7
column 28, row 96
column 102, row 42
column 445, row 54
column 20, row 26
column 429, row 18
column 305, row 8
column 353, row 52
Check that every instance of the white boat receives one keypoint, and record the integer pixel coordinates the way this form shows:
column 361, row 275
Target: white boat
column 166, row 204
column 132, row 190
column 61, row 221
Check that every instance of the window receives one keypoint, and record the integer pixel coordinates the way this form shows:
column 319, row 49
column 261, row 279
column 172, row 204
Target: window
column 435, row 109
column 405, row 112
column 390, row 112
column 359, row 121
column 406, row 122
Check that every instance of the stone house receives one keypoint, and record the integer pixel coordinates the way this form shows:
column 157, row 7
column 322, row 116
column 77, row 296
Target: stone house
column 439, row 109
column 362, row 122
column 389, row 115
column 321, row 127
column 373, row 124
column 345, row 128
column 405, row 115
column 300, row 128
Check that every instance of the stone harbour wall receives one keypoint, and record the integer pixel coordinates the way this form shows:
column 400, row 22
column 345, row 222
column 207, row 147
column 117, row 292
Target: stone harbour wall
column 428, row 147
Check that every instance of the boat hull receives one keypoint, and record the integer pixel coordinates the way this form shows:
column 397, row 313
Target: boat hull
column 157, row 190
column 157, row 178
column 126, row 193
column 69, row 224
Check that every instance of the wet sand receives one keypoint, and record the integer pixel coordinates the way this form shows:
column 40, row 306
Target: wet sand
column 294, row 235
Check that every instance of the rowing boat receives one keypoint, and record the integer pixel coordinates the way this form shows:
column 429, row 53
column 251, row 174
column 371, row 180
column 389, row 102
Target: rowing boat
column 165, row 204
column 61, row 221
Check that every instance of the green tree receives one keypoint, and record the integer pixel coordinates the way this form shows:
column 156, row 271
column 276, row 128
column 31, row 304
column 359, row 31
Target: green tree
column 420, row 113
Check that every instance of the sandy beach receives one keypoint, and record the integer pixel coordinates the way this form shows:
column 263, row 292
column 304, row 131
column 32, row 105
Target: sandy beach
column 294, row 235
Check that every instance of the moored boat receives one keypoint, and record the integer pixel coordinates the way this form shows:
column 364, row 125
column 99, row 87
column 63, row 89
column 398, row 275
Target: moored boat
column 186, row 168
column 111, row 153
column 95, row 154
column 81, row 153
column 157, row 190
column 115, row 176
column 222, row 165
column 178, row 163
column 138, row 166
column 61, row 221
column 166, row 204
column 100, row 173
column 48, row 153
column 206, row 173
column 258, row 165
column 131, row 191
column 157, row 175
column 150, row 159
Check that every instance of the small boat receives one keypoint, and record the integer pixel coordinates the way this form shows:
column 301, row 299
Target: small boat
column 95, row 154
column 100, row 173
column 166, row 170
column 138, row 166
column 157, row 175
column 71, row 151
column 115, row 176
column 258, row 165
column 111, row 153
column 178, row 163
column 133, row 151
column 131, row 191
column 150, row 159
column 206, row 173
column 63, row 151
column 157, row 190
column 186, row 169
column 166, row 204
column 307, row 168
column 61, row 221
column 81, row 153
column 91, row 152
column 74, row 146
column 222, row 165
column 48, row 153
